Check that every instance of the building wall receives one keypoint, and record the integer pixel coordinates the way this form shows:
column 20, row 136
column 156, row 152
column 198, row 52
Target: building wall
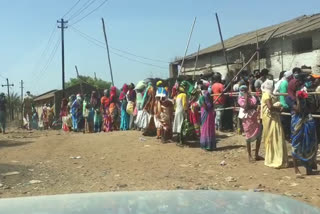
column 279, row 56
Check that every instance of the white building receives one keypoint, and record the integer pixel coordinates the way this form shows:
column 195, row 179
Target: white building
column 295, row 43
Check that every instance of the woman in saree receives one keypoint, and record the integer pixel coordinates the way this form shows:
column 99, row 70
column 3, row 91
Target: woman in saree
column 105, row 105
column 124, row 125
column 95, row 110
column 64, row 114
column 76, row 112
column 181, row 104
column 139, row 109
column 34, row 118
column 44, row 117
column 303, row 129
column 166, row 119
column 276, row 155
column 194, row 115
column 114, row 109
column 208, row 132
column 87, row 114
column 161, row 94
column 131, row 99
column 249, row 116
column 148, row 100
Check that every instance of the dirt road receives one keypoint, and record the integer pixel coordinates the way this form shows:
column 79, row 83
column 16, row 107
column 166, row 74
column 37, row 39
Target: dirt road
column 54, row 162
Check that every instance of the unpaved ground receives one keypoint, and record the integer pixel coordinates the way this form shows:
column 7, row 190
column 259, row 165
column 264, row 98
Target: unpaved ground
column 126, row 161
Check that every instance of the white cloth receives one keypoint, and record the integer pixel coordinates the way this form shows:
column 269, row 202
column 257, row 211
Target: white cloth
column 178, row 116
column 145, row 119
column 157, row 122
column 267, row 86
column 277, row 86
column 138, row 120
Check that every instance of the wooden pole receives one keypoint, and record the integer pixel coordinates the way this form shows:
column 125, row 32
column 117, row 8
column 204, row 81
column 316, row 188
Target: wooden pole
column 185, row 53
column 222, row 43
column 196, row 62
column 81, row 88
column 245, row 66
column 281, row 113
column 107, row 46
column 282, row 67
column 258, row 54
column 21, row 86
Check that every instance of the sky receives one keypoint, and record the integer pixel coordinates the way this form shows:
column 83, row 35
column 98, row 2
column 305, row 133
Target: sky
column 153, row 29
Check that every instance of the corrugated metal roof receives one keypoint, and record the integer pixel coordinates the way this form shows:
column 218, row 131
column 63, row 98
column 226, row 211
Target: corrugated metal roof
column 46, row 95
column 298, row 25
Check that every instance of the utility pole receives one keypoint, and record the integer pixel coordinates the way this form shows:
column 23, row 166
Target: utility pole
column 106, row 40
column 9, row 102
column 21, row 86
column 81, row 88
column 62, row 27
column 95, row 76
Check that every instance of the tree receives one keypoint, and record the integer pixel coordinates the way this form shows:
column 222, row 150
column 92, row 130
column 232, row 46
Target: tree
column 96, row 82
column 15, row 105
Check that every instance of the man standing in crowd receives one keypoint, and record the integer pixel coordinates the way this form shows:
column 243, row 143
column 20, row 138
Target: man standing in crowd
column 285, row 120
column 27, row 108
column 262, row 77
column 217, row 88
column 3, row 105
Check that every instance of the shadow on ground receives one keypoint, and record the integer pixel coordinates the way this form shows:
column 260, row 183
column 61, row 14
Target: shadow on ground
column 13, row 143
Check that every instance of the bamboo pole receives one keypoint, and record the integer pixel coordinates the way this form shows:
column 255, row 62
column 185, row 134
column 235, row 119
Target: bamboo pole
column 235, row 94
column 107, row 46
column 245, row 65
column 188, row 43
column 281, row 113
column 258, row 54
column 195, row 63
column 222, row 43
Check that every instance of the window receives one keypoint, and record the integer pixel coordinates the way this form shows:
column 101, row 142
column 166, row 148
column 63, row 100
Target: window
column 302, row 45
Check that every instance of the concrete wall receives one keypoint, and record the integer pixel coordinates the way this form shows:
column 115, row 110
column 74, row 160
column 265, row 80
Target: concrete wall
column 279, row 56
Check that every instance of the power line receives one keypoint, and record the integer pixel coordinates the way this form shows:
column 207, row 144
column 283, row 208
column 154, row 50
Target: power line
column 71, row 8
column 128, row 58
column 51, row 56
column 45, row 50
column 81, row 9
column 2, row 77
column 123, row 51
column 90, row 12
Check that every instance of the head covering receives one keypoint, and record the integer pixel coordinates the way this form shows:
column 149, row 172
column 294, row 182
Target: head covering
column 182, row 89
column 159, row 83
column 267, row 86
column 287, row 74
column 113, row 91
column 243, row 88
column 106, row 92
column 79, row 97
column 141, row 85
column 64, row 102
column 124, row 92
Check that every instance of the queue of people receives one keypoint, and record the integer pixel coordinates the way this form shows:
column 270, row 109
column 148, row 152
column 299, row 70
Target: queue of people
column 195, row 110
